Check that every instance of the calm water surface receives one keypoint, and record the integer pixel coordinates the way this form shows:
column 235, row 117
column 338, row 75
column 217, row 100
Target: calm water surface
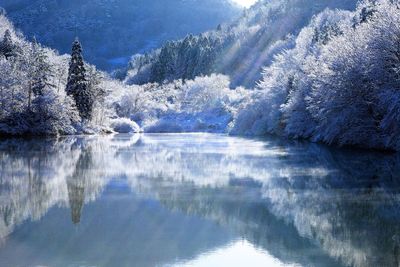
column 196, row 200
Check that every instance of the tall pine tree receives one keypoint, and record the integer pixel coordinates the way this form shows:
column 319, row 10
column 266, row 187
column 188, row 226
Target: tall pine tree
column 77, row 85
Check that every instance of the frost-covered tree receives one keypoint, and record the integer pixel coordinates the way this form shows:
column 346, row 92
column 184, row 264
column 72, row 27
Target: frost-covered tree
column 353, row 85
column 366, row 11
column 42, row 72
column 340, row 83
column 96, row 85
column 77, row 85
column 46, row 102
column 12, row 80
column 7, row 47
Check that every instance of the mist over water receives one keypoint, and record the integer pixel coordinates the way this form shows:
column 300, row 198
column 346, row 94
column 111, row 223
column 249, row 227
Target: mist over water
column 196, row 200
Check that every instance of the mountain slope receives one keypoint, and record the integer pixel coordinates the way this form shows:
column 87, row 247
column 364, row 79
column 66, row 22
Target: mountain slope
column 239, row 49
column 112, row 30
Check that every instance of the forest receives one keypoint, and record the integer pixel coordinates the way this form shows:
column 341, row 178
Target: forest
column 330, row 73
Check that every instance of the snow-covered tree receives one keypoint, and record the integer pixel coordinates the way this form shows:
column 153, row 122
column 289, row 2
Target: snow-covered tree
column 97, row 88
column 12, row 81
column 42, row 72
column 339, row 84
column 77, row 85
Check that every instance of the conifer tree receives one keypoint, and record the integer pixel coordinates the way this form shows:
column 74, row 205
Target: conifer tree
column 7, row 45
column 77, row 85
column 165, row 66
column 42, row 72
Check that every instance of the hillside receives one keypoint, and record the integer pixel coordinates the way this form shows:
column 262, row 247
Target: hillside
column 239, row 49
column 112, row 30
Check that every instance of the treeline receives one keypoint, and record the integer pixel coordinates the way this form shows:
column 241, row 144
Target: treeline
column 239, row 49
column 39, row 94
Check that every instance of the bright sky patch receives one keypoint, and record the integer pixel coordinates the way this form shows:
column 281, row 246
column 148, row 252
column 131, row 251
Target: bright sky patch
column 245, row 3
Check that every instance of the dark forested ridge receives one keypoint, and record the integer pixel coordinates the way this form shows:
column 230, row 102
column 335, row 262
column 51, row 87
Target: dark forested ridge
column 113, row 30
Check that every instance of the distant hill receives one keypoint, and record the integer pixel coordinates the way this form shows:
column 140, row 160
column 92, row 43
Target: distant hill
column 112, row 30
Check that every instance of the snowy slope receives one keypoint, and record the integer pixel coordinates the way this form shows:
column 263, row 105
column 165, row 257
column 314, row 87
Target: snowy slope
column 239, row 49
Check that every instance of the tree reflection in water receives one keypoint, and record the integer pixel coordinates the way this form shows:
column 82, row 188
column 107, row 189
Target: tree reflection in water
column 303, row 203
column 76, row 184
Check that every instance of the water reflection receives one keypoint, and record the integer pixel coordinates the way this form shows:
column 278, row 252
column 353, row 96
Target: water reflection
column 76, row 184
column 173, row 200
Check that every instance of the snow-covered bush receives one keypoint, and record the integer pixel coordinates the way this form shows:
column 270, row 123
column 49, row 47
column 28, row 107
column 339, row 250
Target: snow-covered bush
column 205, row 93
column 205, row 104
column 252, row 119
column 124, row 125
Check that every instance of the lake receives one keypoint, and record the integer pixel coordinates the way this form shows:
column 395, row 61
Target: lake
column 196, row 200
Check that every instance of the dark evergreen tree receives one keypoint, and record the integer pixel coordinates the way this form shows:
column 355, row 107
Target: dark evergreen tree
column 7, row 47
column 165, row 66
column 3, row 12
column 77, row 85
column 186, row 59
column 185, row 52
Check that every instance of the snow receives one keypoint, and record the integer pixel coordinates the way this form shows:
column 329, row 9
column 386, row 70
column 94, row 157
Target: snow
column 124, row 125
column 214, row 121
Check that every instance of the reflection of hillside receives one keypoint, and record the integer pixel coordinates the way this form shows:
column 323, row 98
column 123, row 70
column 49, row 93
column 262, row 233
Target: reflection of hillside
column 345, row 203
column 353, row 214
column 303, row 203
column 244, row 212
column 118, row 229
column 29, row 182
column 39, row 174
column 355, row 232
